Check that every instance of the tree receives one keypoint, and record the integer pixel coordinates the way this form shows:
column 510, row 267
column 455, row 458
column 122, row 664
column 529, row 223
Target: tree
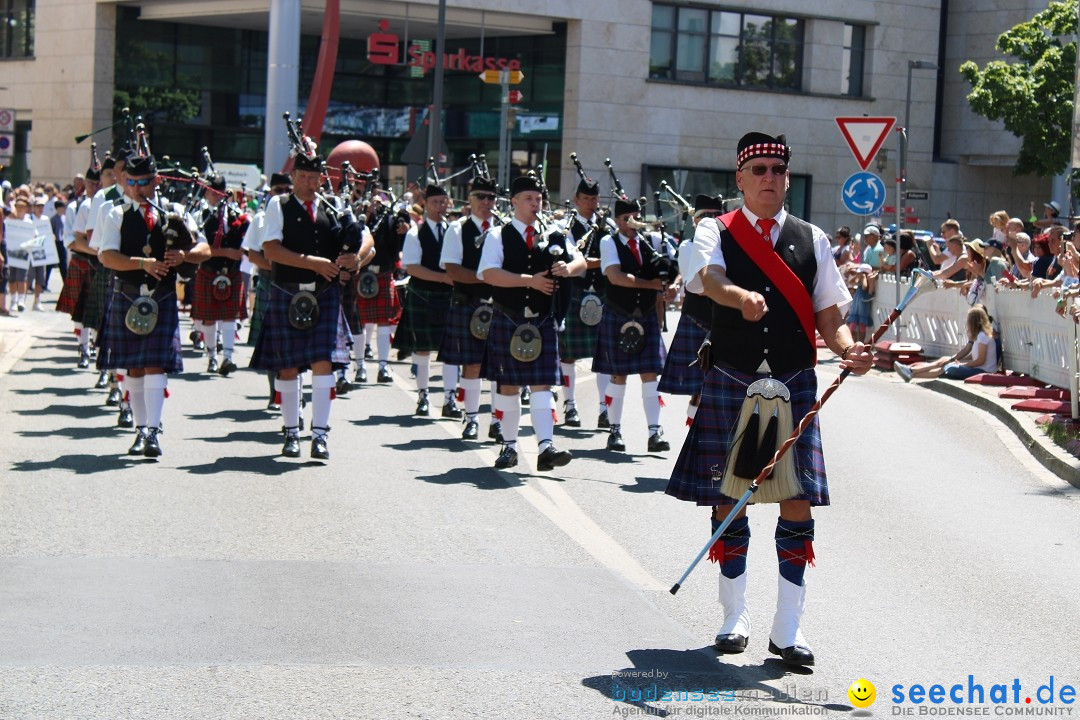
column 1034, row 95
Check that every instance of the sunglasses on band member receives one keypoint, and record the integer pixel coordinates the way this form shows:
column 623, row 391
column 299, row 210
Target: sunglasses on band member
column 483, row 196
column 777, row 170
column 280, row 189
column 141, row 182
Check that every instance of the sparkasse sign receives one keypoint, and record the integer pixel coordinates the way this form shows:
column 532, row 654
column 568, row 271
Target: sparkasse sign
column 383, row 49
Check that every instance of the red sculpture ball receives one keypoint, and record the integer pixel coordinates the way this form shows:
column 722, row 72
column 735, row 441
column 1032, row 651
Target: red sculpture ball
column 360, row 155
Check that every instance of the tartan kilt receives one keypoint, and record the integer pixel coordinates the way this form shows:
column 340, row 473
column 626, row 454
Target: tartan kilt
column 384, row 308
column 423, row 319
column 349, row 308
column 280, row 346
column 72, row 298
column 205, row 308
column 611, row 360
column 578, row 340
column 679, row 378
column 710, row 438
column 96, row 303
column 123, row 350
column 262, row 297
column 459, row 347
column 499, row 364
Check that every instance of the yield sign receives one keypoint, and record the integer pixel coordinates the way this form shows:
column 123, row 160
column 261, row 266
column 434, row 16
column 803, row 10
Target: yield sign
column 865, row 136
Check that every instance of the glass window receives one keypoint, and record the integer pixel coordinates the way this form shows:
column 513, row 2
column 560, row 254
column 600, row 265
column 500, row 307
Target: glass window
column 688, row 182
column 17, row 35
column 851, row 75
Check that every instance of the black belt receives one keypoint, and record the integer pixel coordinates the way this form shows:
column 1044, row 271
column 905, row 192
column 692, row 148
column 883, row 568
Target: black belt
column 463, row 298
column 519, row 314
column 126, row 288
column 292, row 287
column 635, row 313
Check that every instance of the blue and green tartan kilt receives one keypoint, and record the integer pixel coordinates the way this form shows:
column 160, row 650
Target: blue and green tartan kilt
column 423, row 319
column 578, row 340
column 124, row 350
column 710, row 438
column 500, row 365
column 94, row 309
column 349, row 296
column 80, row 275
column 459, row 347
column 611, row 360
column 280, row 346
column 680, row 378
column 262, row 299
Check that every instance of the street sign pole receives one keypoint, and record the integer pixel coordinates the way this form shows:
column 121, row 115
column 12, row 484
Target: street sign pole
column 504, row 135
column 900, row 133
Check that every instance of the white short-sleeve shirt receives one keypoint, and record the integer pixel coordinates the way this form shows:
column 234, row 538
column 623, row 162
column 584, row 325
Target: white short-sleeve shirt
column 452, row 250
column 492, row 256
column 412, row 253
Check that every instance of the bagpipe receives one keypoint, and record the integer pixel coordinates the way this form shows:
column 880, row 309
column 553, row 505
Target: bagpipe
column 664, row 267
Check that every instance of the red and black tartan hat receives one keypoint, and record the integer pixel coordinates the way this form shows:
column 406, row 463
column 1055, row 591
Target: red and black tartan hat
column 756, row 144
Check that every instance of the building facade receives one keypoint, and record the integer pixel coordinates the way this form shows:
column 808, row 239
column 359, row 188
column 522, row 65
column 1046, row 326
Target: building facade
column 663, row 88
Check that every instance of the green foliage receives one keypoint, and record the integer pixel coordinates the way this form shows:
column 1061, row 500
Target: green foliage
column 148, row 83
column 1034, row 95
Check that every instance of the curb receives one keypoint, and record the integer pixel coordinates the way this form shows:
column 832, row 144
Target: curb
column 1050, row 457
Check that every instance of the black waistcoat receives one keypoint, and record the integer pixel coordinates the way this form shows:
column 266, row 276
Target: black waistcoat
column 231, row 240
column 387, row 242
column 134, row 237
column 472, row 247
column 301, row 235
column 698, row 307
column 594, row 277
column 518, row 259
column 430, row 252
column 778, row 337
column 630, row 299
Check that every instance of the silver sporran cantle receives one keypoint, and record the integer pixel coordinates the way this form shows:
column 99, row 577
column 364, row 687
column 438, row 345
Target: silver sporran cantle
column 142, row 316
column 303, row 310
column 631, row 337
column 368, row 285
column 221, row 287
column 592, row 310
column 526, row 343
column 480, row 322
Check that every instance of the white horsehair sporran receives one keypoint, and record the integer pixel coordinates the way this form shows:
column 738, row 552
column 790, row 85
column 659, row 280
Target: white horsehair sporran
column 765, row 422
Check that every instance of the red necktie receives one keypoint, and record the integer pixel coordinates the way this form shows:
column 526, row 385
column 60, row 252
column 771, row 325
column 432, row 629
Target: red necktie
column 529, row 232
column 220, row 234
column 765, row 225
column 148, row 212
column 486, row 226
column 632, row 243
column 310, row 205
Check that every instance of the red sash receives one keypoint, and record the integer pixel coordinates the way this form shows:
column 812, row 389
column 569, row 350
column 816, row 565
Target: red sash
column 783, row 277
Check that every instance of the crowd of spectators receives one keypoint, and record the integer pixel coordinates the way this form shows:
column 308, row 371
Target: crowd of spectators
column 42, row 207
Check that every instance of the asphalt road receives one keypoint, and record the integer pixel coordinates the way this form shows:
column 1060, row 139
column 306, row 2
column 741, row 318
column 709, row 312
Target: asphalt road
column 406, row 578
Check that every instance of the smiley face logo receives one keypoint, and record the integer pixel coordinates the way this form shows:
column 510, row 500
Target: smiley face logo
column 862, row 693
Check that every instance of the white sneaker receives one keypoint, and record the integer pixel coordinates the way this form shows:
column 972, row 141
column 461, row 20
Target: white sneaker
column 903, row 371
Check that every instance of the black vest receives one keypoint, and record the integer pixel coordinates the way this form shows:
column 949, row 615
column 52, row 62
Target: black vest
column 594, row 277
column 518, row 259
column 387, row 241
column 134, row 237
column 698, row 307
column 630, row 299
column 233, row 240
column 472, row 247
column 299, row 234
column 778, row 337
column 430, row 252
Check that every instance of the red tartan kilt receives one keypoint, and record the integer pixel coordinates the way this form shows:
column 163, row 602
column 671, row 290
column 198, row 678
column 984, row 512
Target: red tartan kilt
column 384, row 308
column 206, row 308
column 79, row 275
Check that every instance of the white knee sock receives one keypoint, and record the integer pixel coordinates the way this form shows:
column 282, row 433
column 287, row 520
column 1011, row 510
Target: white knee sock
column 542, row 410
column 385, row 331
column 508, row 413
column 154, row 386
column 650, row 399
column 209, row 333
column 321, row 385
column 691, row 413
column 84, row 338
column 136, row 392
column 602, row 382
column 449, row 382
column 228, row 337
column 423, row 370
column 614, row 410
column 290, row 401
column 569, row 372
column 472, row 386
column 369, row 333
column 493, row 389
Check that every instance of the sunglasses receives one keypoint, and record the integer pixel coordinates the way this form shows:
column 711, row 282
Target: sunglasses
column 484, row 196
column 280, row 189
column 777, row 170
column 141, row 182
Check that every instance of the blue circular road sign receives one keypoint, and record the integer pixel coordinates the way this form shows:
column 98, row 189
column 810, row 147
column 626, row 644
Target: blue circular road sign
column 863, row 193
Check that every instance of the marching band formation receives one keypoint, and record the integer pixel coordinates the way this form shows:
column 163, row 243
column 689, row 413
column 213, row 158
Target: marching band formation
column 512, row 297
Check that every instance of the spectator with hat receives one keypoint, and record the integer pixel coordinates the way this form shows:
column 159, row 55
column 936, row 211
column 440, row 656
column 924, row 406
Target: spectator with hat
column 1051, row 215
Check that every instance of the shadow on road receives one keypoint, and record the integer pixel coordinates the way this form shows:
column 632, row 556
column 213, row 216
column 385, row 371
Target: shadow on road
column 59, row 372
column 235, row 415
column 399, row 420
column 646, row 485
column 80, row 464
column 79, row 412
column 76, row 432
column 450, row 444
column 266, row 465
column 609, row 457
column 263, row 438
column 57, row 391
column 480, row 478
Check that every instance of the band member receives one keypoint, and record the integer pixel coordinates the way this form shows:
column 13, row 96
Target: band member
column 773, row 282
column 307, row 243
column 578, row 340
column 683, row 373
column 381, row 312
column 629, row 342
column 522, row 263
column 142, row 332
column 83, row 261
column 427, row 300
column 465, row 340
column 219, row 297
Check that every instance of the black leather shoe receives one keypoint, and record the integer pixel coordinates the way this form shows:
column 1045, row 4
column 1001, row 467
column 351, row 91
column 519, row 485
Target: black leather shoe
column 495, row 432
column 451, row 410
column 368, row 355
column 361, row 375
column 602, row 422
column 343, row 386
column 319, row 451
column 152, row 449
column 114, row 397
column 471, row 431
column 124, row 419
column 552, row 458
column 798, row 655
column 212, row 366
column 84, row 361
column 272, row 404
column 507, row 458
column 291, row 448
column 384, row 375
column 526, row 395
column 657, row 443
column 102, row 380
column 571, row 416
column 615, row 441
column 227, row 366
column 730, row 644
column 423, row 407
column 139, row 446
column 197, row 340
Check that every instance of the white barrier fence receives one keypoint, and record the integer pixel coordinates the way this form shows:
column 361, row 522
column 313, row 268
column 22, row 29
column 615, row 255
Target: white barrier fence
column 1036, row 340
